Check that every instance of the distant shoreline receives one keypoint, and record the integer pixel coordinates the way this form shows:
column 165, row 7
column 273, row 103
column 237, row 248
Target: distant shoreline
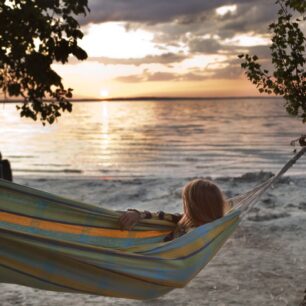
column 153, row 98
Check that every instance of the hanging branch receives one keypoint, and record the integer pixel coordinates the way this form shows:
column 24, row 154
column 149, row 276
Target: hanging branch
column 33, row 35
column 288, row 52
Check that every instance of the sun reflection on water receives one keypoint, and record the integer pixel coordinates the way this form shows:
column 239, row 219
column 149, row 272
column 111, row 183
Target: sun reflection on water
column 105, row 125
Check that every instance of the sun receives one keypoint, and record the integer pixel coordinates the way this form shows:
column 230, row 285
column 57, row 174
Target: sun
column 104, row 92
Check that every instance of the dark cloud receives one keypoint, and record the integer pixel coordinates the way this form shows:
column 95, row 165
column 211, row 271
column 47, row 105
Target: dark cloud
column 181, row 16
column 150, row 11
column 250, row 17
column 206, row 46
column 263, row 52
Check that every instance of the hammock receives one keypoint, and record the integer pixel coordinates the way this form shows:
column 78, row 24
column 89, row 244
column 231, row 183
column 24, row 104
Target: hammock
column 49, row 242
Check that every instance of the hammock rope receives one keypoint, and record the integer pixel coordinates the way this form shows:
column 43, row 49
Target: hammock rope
column 246, row 201
column 53, row 243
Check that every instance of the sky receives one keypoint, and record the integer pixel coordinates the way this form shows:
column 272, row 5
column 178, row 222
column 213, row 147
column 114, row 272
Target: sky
column 168, row 48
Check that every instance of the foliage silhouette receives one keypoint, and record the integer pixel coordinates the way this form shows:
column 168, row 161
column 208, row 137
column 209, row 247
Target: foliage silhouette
column 288, row 59
column 33, row 35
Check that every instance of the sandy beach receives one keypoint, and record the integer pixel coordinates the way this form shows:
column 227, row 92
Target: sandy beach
column 264, row 263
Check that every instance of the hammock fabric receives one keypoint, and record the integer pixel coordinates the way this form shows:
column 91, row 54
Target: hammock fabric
column 53, row 243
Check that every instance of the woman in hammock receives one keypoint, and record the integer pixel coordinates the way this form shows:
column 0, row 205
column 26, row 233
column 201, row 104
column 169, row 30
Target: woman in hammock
column 203, row 202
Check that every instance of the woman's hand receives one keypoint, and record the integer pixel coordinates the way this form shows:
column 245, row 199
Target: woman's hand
column 129, row 219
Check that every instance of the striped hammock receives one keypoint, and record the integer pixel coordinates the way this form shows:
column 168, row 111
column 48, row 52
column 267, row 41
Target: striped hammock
column 54, row 243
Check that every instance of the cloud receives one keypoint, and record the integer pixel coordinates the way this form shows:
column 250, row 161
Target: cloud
column 229, row 69
column 184, row 30
column 165, row 59
column 206, row 46
column 191, row 25
column 198, row 32
column 148, row 76
column 191, row 15
column 253, row 16
column 134, row 78
column 150, row 11
column 263, row 52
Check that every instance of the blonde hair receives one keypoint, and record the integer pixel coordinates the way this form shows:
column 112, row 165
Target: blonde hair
column 203, row 202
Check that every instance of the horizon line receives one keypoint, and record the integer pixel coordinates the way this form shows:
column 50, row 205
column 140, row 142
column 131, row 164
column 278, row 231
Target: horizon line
column 148, row 98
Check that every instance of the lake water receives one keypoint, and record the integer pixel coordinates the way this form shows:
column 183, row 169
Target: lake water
column 223, row 137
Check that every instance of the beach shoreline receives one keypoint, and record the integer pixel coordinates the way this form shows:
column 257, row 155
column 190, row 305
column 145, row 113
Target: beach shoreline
column 263, row 263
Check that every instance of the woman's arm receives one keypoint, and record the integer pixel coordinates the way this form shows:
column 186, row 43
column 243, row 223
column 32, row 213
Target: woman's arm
column 132, row 216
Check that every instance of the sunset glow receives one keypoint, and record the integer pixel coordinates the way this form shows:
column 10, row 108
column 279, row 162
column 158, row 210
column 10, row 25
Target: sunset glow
column 104, row 92
column 193, row 53
column 113, row 40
